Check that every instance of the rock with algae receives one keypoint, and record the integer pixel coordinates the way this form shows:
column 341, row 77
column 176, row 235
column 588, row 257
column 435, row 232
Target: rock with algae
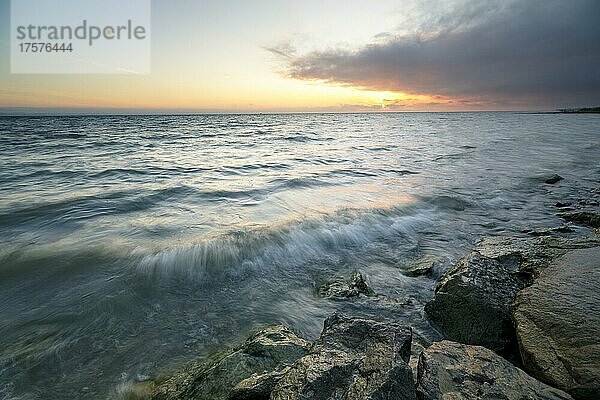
column 271, row 349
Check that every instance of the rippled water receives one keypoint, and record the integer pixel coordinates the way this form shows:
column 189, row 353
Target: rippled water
column 130, row 244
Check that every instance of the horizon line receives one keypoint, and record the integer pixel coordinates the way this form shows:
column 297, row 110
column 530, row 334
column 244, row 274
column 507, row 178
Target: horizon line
column 51, row 111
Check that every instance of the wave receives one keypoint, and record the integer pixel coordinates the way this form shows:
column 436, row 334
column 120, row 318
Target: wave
column 269, row 250
column 287, row 246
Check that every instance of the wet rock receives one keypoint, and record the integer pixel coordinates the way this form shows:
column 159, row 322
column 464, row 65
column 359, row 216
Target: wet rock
column 138, row 390
column 558, row 324
column 472, row 303
column 257, row 387
column 549, row 231
column 271, row 349
column 449, row 370
column 562, row 205
column 583, row 217
column 530, row 256
column 352, row 359
column 343, row 289
column 553, row 179
column 423, row 267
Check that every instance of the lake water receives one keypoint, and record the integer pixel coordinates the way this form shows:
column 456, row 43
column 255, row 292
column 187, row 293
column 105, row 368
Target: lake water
column 131, row 244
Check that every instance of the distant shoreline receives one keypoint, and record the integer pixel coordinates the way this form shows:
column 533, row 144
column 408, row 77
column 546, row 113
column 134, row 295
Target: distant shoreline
column 584, row 110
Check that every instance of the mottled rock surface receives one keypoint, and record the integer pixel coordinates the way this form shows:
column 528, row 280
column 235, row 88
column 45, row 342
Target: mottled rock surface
column 558, row 324
column 346, row 288
column 530, row 256
column 352, row 359
column 257, row 387
column 417, row 346
column 271, row 349
column 449, row 370
column 472, row 303
column 423, row 266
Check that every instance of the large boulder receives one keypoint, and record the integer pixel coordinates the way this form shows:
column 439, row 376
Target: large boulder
column 472, row 303
column 558, row 324
column 449, row 370
column 269, row 350
column 352, row 359
column 472, row 300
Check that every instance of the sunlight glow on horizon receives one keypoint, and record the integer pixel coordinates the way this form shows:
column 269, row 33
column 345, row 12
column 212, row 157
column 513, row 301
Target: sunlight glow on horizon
column 207, row 64
column 336, row 55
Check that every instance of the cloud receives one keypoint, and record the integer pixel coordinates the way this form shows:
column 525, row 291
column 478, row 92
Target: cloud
column 527, row 53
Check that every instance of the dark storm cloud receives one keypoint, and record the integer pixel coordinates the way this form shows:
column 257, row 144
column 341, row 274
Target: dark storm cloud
column 542, row 53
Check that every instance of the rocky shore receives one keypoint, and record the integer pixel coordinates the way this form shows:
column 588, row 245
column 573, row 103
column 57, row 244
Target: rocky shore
column 519, row 318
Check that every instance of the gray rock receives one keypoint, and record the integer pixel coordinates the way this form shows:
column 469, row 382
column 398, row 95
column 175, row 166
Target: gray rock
column 531, row 256
column 257, row 387
column 352, row 359
column 449, row 370
column 553, row 179
column 422, row 267
column 271, row 349
column 558, row 324
column 588, row 218
column 472, row 303
column 342, row 289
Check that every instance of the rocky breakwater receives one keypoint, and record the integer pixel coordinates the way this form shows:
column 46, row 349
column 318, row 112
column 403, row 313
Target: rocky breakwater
column 533, row 301
column 352, row 359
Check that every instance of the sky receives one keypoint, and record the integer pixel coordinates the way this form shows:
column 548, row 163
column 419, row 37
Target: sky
column 340, row 55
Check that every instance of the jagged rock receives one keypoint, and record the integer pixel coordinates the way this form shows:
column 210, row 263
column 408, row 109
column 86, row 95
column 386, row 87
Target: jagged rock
column 449, row 370
column 342, row 289
column 472, row 303
column 271, row 349
column 422, row 267
column 418, row 345
column 553, row 179
column 583, row 217
column 558, row 324
column 530, row 256
column 352, row 359
column 257, row 387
